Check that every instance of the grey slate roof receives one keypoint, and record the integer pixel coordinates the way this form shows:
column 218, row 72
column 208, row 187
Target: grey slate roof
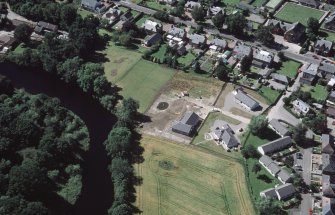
column 328, row 190
column 197, row 39
column 229, row 139
column 309, row 2
column 187, row 123
column 182, row 128
column 268, row 163
column 275, row 145
column 48, row 26
column 245, row 99
column 327, row 144
column 284, row 191
column 327, row 67
column 330, row 19
column 280, row 77
column 241, row 51
column 326, row 43
column 266, row 160
column 278, row 127
column 219, row 42
column 302, row 106
column 328, row 206
column 89, row 3
column 328, row 164
column 312, row 69
column 269, row 193
column 284, row 176
column 263, row 56
column 177, row 32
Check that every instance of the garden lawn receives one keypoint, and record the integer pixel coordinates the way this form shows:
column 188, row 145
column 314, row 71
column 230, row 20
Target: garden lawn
column 270, row 94
column 19, row 49
column 143, row 81
column 187, row 59
column 230, row 2
column 193, row 182
column 160, row 54
column 259, row 3
column 289, row 68
column 157, row 6
column 328, row 35
column 84, row 13
column 318, row 92
column 292, row 12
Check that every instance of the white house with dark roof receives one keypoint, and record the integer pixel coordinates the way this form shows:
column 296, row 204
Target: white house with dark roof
column 269, row 193
column 323, row 47
column 279, row 128
column 284, row 177
column 244, row 100
column 275, row 146
column 188, row 124
column 300, row 107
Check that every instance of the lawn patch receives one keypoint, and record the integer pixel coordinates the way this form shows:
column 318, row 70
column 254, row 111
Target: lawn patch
column 328, row 35
column 84, row 13
column 259, row 3
column 160, row 54
column 156, row 5
column 318, row 92
column 143, row 81
column 292, row 12
column 187, row 59
column 216, row 186
column 230, row 2
column 270, row 94
column 289, row 68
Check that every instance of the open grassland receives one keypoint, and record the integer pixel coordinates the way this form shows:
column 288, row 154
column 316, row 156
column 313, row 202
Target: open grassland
column 289, row 68
column 179, row 179
column 292, row 12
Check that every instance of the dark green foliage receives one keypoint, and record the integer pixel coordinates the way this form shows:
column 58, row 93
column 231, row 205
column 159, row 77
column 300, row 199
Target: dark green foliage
column 317, row 122
column 198, row 14
column 179, row 9
column 313, row 25
column 269, row 206
column 236, row 23
column 263, row 34
column 162, row 16
column 246, row 63
column 249, row 151
column 218, row 20
column 67, row 70
column 119, row 142
column 222, row 72
column 258, row 124
column 125, row 39
column 126, row 114
column 299, row 134
column 256, row 168
column 22, row 33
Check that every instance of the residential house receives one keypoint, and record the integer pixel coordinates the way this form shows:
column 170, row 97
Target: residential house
column 331, row 82
column 244, row 6
column 323, row 47
column 262, row 58
column 269, row 193
column 6, row 42
column 152, row 27
column 188, row 124
column 170, row 2
column 93, row 5
column 300, row 107
column 177, row 32
column 285, row 191
column 327, row 144
column 152, row 39
column 330, row 22
column 327, row 69
column 292, row 33
column 330, row 111
column 328, row 164
column 331, row 96
column 112, row 15
column 125, row 21
column 17, row 22
column 310, row 3
column 284, row 177
column 275, row 146
column 218, row 44
column 190, row 5
column 328, row 186
column 309, row 74
column 273, row 5
column 282, row 79
column 224, row 135
column 246, row 101
column 328, row 206
column 44, row 27
column 279, row 128
column 240, row 51
column 269, row 165
column 214, row 10
column 197, row 40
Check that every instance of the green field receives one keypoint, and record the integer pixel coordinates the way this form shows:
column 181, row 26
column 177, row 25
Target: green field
column 270, row 94
column 138, row 78
column 258, row 185
column 179, row 179
column 292, row 12
column 318, row 92
column 160, row 54
column 259, row 3
column 289, row 68
column 187, row 59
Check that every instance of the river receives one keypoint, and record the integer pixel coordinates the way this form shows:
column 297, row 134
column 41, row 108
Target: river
column 97, row 192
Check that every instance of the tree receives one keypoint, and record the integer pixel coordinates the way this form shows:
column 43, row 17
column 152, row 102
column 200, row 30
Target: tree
column 127, row 113
column 281, row 55
column 256, row 168
column 264, row 35
column 258, row 124
column 87, row 75
column 236, row 23
column 22, row 33
column 125, row 39
column 269, row 206
column 318, row 123
column 299, row 134
column 196, row 67
column 198, row 14
column 68, row 69
column 221, row 72
column 118, row 142
column 179, row 9
column 245, row 64
column 162, row 16
column 218, row 20
column 249, row 151
column 120, row 209
column 312, row 25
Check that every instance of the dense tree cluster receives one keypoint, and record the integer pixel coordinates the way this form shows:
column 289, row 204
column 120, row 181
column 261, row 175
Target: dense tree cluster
column 258, row 124
column 270, row 206
column 198, row 14
column 119, row 146
column 41, row 149
column 236, row 23
column 264, row 35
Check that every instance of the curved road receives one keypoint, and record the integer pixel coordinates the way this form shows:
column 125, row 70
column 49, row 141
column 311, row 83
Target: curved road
column 97, row 192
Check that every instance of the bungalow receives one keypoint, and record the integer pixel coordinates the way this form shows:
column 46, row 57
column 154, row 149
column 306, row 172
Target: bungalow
column 214, row 10
column 6, row 42
column 93, row 5
column 240, row 51
column 112, row 15
column 309, row 74
column 190, row 5
column 284, row 177
column 269, row 165
column 262, row 58
column 218, row 44
column 170, row 2
column 323, row 47
column 224, row 135
column 152, row 39
column 328, row 164
column 125, row 21
column 275, row 145
column 177, row 32
column 281, row 130
column 310, row 3
column 269, row 193
column 300, row 107
column 285, row 191
column 328, row 206
column 327, row 69
column 246, row 101
column 197, row 40
column 44, row 27
column 327, row 144
column 292, row 32
column 282, row 79
column 152, row 27
column 330, row 22
column 187, row 125
column 330, row 112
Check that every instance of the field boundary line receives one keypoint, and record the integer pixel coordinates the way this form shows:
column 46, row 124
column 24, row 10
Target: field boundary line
column 127, row 72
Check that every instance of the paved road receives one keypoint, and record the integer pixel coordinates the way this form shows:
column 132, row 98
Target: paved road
column 307, row 165
column 306, row 204
column 302, row 58
column 136, row 7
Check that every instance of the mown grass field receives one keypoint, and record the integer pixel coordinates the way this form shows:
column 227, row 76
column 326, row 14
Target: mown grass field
column 318, row 92
column 292, row 12
column 138, row 78
column 195, row 183
column 270, row 94
column 289, row 68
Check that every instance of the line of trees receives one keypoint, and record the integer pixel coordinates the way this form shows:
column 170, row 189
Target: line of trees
column 120, row 146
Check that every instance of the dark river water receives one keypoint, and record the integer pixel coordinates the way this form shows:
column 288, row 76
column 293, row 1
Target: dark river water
column 97, row 192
